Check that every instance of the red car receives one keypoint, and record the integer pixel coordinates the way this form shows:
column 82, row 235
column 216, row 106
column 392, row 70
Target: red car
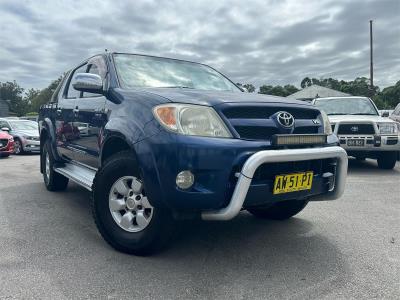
column 6, row 144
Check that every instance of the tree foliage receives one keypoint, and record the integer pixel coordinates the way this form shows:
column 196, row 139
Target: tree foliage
column 13, row 93
column 248, row 86
column 278, row 90
column 29, row 101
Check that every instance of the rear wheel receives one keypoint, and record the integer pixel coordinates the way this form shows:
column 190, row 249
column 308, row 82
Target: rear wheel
column 279, row 211
column 124, row 215
column 52, row 180
column 387, row 160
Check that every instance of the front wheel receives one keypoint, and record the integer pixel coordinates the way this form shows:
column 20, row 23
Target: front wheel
column 387, row 160
column 124, row 216
column 279, row 211
column 18, row 148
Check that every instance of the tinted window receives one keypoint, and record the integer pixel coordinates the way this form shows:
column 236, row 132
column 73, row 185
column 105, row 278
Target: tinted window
column 72, row 93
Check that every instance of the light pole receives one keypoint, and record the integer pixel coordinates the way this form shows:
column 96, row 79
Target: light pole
column 371, row 67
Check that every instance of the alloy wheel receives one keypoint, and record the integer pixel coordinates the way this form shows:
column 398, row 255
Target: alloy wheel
column 128, row 205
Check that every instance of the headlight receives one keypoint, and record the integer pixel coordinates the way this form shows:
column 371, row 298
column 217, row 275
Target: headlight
column 388, row 128
column 327, row 124
column 191, row 120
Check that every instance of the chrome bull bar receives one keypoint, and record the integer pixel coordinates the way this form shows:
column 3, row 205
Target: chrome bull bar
column 273, row 156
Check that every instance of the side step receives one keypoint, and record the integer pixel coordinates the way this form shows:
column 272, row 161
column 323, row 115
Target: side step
column 79, row 174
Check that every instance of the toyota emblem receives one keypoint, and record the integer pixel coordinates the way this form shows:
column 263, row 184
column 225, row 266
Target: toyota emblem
column 354, row 128
column 285, row 119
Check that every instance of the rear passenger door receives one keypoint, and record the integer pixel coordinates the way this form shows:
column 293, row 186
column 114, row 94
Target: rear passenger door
column 90, row 118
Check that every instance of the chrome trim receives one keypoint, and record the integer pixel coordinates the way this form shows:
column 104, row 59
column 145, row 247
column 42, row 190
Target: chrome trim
column 271, row 156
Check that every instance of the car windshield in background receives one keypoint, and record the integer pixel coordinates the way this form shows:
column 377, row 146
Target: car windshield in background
column 136, row 71
column 346, row 106
column 24, row 125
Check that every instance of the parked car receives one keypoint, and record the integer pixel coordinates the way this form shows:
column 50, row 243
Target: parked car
column 6, row 143
column 362, row 132
column 395, row 116
column 174, row 139
column 25, row 133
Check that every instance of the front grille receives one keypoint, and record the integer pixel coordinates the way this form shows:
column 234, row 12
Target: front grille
column 256, row 133
column 306, row 130
column 262, row 127
column 356, row 129
column 264, row 112
column 3, row 143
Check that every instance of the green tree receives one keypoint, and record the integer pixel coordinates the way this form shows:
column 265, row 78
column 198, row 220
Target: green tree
column 248, row 86
column 44, row 95
column 278, row 90
column 11, row 91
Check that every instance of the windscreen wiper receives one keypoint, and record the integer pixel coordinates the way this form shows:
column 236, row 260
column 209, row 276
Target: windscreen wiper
column 363, row 114
column 177, row 86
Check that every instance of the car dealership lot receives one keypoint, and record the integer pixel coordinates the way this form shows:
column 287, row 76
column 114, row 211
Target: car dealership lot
column 50, row 247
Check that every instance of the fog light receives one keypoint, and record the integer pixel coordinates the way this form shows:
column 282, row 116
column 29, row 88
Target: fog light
column 185, row 180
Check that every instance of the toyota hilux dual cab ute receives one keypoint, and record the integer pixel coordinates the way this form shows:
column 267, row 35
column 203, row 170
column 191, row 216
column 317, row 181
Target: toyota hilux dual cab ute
column 362, row 132
column 168, row 139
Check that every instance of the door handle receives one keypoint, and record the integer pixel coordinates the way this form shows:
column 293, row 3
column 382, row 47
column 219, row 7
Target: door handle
column 76, row 111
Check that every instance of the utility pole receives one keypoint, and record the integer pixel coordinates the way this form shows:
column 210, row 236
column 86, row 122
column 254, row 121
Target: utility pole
column 371, row 67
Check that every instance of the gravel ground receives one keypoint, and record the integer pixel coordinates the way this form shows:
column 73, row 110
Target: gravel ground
column 349, row 248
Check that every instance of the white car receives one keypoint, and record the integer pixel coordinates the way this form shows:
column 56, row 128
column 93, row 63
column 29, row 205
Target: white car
column 362, row 132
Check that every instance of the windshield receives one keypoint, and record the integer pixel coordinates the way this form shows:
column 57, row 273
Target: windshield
column 23, row 125
column 347, row 106
column 144, row 71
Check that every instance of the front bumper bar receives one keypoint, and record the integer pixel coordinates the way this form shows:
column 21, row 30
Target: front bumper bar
column 272, row 156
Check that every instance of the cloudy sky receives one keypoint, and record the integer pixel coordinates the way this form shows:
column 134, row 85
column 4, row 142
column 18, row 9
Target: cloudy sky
column 259, row 42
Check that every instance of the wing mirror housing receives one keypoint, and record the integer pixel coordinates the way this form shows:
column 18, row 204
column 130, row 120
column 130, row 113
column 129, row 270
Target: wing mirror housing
column 86, row 82
column 385, row 114
column 5, row 129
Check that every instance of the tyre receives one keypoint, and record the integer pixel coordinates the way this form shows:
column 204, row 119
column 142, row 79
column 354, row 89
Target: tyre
column 279, row 211
column 387, row 160
column 18, row 149
column 52, row 180
column 124, row 216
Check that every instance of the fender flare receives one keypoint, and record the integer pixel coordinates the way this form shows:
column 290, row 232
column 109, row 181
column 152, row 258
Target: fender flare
column 49, row 127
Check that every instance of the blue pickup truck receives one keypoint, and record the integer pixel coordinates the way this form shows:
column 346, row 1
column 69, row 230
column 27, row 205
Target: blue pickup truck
column 158, row 139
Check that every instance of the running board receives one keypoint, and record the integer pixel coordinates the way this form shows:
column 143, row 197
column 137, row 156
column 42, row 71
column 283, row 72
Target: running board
column 79, row 174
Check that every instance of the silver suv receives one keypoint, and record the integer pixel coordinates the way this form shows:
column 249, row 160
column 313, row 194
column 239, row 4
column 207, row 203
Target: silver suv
column 362, row 132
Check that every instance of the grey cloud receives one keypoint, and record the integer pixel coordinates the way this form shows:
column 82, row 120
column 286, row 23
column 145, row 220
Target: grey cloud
column 249, row 42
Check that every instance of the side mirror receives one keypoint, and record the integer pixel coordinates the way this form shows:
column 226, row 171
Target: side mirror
column 244, row 90
column 385, row 114
column 86, row 82
column 5, row 129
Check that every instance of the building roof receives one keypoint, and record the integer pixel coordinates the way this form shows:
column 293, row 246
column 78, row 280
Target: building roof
column 316, row 91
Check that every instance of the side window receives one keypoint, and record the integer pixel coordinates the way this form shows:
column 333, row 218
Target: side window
column 397, row 110
column 71, row 92
column 93, row 69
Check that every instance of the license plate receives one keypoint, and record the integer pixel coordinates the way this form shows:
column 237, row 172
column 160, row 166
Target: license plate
column 355, row 143
column 288, row 183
